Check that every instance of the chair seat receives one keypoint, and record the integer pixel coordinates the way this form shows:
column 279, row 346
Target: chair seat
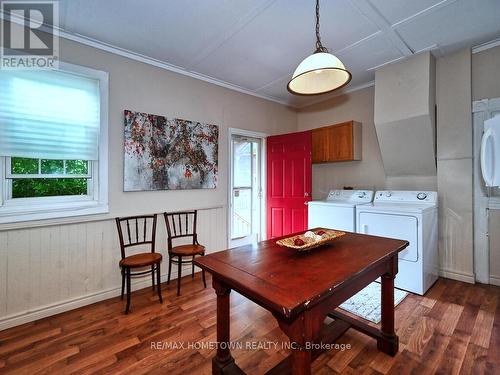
column 188, row 250
column 141, row 260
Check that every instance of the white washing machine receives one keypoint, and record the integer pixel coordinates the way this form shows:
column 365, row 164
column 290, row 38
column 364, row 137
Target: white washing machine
column 338, row 211
column 410, row 216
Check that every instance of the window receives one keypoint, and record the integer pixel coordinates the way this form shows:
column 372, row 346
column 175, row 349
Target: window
column 53, row 143
column 47, row 178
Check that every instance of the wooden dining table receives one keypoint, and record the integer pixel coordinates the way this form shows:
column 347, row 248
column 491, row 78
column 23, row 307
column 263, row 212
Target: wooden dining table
column 302, row 289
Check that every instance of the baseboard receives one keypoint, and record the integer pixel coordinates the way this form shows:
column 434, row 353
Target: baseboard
column 74, row 303
column 495, row 280
column 457, row 275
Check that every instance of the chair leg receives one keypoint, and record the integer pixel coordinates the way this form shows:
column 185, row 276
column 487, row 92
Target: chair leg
column 179, row 271
column 169, row 269
column 203, row 275
column 158, row 275
column 192, row 268
column 153, row 276
column 123, row 283
column 128, row 291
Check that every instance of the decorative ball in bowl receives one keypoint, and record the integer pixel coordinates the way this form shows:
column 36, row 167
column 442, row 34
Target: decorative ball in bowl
column 310, row 239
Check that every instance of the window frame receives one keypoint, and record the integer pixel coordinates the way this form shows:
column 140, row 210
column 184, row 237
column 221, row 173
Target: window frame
column 95, row 202
column 10, row 175
column 92, row 183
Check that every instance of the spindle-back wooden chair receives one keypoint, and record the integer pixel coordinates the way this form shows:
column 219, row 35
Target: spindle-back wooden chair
column 139, row 231
column 182, row 225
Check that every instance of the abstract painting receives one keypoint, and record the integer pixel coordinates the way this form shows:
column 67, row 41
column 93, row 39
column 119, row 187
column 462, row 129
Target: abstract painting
column 169, row 154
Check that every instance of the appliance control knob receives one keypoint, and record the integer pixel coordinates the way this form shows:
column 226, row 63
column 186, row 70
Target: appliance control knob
column 421, row 196
column 362, row 194
column 388, row 194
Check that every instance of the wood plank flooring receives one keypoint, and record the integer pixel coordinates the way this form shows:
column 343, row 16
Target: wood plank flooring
column 454, row 329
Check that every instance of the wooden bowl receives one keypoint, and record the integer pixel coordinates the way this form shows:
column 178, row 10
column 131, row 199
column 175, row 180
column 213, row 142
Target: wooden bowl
column 310, row 243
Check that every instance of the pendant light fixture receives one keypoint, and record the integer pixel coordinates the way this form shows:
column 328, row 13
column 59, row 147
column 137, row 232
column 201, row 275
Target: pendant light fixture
column 319, row 73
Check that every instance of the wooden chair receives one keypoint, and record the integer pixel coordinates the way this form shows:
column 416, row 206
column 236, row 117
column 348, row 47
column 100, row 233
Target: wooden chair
column 180, row 225
column 140, row 231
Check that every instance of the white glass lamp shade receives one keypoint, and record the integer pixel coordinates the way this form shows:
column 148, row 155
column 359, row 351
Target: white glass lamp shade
column 318, row 74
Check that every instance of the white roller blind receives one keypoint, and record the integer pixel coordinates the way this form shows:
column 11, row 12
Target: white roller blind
column 49, row 115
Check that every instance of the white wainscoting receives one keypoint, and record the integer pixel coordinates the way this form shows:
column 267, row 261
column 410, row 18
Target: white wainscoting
column 48, row 270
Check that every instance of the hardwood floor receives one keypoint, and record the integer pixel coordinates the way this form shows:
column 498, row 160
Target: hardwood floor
column 454, row 329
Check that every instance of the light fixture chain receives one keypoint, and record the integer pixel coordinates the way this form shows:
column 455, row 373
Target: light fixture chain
column 319, row 46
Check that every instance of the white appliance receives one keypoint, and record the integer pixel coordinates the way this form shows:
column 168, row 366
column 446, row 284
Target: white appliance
column 338, row 211
column 410, row 216
column 490, row 152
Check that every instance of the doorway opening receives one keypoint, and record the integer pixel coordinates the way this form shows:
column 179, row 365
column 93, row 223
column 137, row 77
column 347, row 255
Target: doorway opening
column 246, row 206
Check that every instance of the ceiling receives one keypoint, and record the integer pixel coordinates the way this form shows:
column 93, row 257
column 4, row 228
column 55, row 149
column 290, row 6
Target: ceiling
column 254, row 45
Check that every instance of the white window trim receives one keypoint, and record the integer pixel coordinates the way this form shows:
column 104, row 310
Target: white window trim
column 90, row 168
column 96, row 202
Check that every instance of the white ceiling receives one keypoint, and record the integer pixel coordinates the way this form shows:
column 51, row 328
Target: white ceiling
column 254, row 45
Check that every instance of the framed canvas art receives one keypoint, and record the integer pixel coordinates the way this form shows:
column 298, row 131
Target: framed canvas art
column 169, row 154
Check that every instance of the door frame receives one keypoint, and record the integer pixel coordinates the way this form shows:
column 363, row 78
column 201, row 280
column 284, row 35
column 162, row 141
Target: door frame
column 263, row 138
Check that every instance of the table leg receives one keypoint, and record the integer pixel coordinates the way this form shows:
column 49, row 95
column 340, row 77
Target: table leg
column 223, row 362
column 389, row 342
column 301, row 362
column 302, row 331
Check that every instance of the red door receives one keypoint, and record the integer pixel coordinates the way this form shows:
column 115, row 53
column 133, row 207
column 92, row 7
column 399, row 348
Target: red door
column 288, row 183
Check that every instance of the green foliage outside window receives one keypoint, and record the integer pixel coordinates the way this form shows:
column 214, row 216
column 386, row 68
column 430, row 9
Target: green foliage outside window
column 52, row 166
column 48, row 187
column 76, row 167
column 23, row 166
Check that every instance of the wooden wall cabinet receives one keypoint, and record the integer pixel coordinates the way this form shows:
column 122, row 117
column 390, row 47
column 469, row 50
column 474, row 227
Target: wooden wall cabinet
column 339, row 142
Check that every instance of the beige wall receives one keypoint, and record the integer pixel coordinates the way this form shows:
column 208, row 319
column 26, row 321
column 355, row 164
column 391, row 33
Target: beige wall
column 486, row 74
column 455, row 164
column 367, row 173
column 405, row 116
column 50, row 269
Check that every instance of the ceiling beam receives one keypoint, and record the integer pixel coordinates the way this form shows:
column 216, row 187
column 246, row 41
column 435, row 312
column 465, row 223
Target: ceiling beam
column 231, row 31
column 368, row 10
column 423, row 12
column 281, row 78
column 366, row 39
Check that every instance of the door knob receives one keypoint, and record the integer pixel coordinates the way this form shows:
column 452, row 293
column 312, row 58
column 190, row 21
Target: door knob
column 306, row 194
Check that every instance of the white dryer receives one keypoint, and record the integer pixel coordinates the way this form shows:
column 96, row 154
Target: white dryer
column 338, row 211
column 410, row 216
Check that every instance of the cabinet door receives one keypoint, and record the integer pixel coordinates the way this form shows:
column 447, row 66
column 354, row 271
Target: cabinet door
column 340, row 142
column 319, row 145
